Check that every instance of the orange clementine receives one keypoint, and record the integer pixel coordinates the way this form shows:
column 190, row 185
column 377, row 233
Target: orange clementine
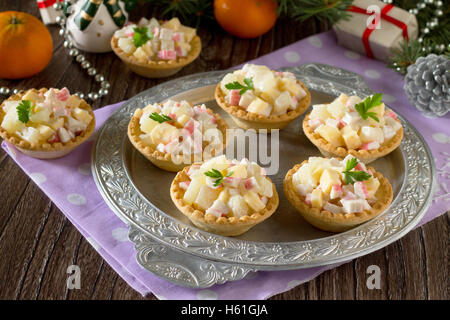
column 26, row 46
column 246, row 19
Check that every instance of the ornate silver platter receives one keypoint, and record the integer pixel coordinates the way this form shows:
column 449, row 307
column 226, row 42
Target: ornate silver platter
column 169, row 246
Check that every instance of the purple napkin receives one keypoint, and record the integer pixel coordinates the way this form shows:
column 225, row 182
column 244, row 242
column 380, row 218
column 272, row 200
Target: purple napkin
column 77, row 197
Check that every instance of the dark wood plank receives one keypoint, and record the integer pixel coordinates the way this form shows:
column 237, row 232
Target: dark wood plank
column 37, row 243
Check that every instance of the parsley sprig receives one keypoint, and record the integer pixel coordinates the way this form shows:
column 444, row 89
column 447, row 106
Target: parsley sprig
column 238, row 86
column 369, row 103
column 24, row 111
column 141, row 36
column 350, row 177
column 216, row 174
column 160, row 117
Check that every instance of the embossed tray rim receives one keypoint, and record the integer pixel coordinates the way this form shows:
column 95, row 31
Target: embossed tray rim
column 327, row 76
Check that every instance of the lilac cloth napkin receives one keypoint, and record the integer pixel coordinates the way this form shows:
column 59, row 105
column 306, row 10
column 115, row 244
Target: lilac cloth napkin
column 77, row 197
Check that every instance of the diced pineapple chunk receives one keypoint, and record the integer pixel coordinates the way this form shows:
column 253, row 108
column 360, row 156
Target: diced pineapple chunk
column 147, row 48
column 260, row 106
column 45, row 131
column 351, row 138
column 147, row 124
column 265, row 187
column 11, row 123
column 183, row 45
column 82, row 115
column 368, row 134
column 253, row 201
column 183, row 119
column 127, row 45
column 7, row 105
column 164, row 133
column 320, row 111
column 42, row 116
column 73, row 101
column 189, row 33
column 219, row 163
column 146, row 139
column 194, row 187
column 31, row 135
column 372, row 186
column 282, row 103
column 304, row 175
column 33, row 97
column 265, row 82
column 293, row 87
column 317, row 198
column 238, row 206
column 151, row 108
column 224, row 195
column 271, row 94
column 246, row 99
column 239, row 171
column 57, row 123
column 332, row 135
column 229, row 78
column 336, row 108
column 206, row 197
column 329, row 178
column 140, row 55
column 173, row 24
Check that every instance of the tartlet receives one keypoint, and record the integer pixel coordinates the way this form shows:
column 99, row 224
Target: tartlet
column 344, row 206
column 277, row 98
column 152, row 60
column 230, row 208
column 52, row 132
column 346, row 132
column 172, row 145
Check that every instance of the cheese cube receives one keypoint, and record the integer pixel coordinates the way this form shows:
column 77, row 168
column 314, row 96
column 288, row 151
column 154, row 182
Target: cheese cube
column 206, row 197
column 317, row 198
column 260, row 107
column 329, row 178
column 351, row 138
column 331, row 134
column 253, row 201
column 238, row 206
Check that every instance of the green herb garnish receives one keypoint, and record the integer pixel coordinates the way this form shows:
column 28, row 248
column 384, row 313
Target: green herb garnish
column 159, row 117
column 141, row 36
column 214, row 173
column 369, row 103
column 24, row 111
column 238, row 86
column 351, row 177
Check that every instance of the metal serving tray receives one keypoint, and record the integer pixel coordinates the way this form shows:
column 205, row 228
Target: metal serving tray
column 168, row 245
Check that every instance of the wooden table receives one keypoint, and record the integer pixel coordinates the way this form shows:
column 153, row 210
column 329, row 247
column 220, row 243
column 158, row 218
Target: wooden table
column 38, row 243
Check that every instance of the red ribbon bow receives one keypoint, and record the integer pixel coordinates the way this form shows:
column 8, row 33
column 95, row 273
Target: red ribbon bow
column 369, row 30
column 46, row 3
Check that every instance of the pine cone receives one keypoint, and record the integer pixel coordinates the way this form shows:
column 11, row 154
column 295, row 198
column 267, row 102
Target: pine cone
column 427, row 84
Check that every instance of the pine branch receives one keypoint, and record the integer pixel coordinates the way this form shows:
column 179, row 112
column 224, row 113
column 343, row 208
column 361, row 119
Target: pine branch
column 324, row 10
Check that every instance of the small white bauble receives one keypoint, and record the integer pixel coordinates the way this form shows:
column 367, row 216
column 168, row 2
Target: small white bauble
column 97, row 36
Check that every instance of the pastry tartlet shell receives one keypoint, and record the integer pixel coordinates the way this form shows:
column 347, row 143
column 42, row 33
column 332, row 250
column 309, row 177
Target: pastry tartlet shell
column 337, row 222
column 160, row 159
column 366, row 156
column 157, row 68
column 224, row 226
column 247, row 120
column 46, row 150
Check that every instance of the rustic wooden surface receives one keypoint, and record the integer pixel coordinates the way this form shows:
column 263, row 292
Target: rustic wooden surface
column 38, row 243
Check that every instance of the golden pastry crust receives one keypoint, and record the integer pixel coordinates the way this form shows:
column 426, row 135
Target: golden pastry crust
column 46, row 150
column 225, row 226
column 248, row 120
column 366, row 156
column 337, row 222
column 157, row 68
column 161, row 159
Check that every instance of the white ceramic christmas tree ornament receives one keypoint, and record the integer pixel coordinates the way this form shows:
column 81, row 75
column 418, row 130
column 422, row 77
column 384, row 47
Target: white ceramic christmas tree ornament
column 92, row 23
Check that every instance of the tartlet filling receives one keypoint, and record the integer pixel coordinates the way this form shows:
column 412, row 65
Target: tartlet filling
column 345, row 186
column 177, row 128
column 355, row 124
column 50, row 117
column 149, row 40
column 227, row 188
column 262, row 91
